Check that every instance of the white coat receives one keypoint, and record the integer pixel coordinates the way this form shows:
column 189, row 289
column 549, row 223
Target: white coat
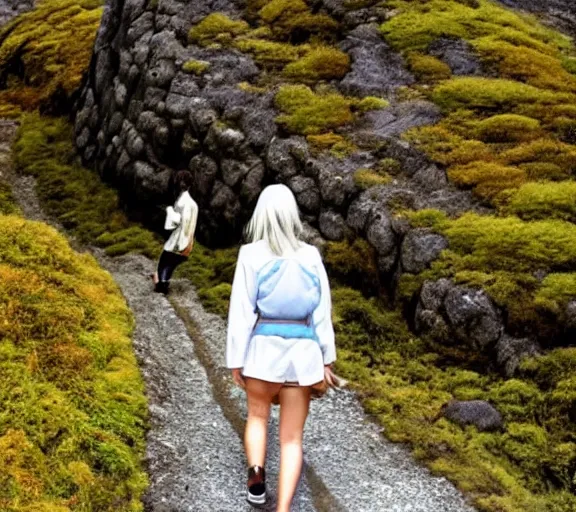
column 291, row 287
column 182, row 219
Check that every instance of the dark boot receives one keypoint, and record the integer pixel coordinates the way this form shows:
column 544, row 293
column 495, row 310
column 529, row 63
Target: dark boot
column 256, row 494
column 162, row 287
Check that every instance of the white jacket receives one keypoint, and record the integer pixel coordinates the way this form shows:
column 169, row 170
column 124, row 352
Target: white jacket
column 264, row 286
column 182, row 219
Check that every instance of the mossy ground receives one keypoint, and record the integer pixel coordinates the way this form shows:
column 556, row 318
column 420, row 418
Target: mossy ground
column 73, row 413
column 44, row 54
column 403, row 380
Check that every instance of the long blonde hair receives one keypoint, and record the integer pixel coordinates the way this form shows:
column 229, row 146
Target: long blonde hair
column 276, row 220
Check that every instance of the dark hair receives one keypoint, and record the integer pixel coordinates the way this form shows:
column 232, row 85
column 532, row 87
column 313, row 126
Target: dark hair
column 182, row 181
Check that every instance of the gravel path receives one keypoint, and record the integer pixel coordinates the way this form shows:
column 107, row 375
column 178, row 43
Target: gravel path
column 194, row 452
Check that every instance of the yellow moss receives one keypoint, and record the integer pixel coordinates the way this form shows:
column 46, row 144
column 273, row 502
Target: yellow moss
column 508, row 128
column 269, row 53
column 197, row 67
column 371, row 103
column 487, row 179
column 51, row 46
column 366, row 178
column 309, row 113
column 320, row 63
column 428, row 68
column 217, row 28
column 62, row 424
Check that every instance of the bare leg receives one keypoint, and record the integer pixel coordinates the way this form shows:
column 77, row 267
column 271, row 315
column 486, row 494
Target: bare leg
column 259, row 395
column 294, row 404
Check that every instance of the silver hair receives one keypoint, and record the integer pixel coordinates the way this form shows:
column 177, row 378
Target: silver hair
column 276, row 220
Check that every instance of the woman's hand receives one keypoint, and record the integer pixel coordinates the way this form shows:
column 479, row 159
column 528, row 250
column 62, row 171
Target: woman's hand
column 329, row 376
column 238, row 377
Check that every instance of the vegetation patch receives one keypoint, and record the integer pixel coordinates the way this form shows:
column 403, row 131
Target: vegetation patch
column 73, row 413
column 75, row 196
column 307, row 112
column 44, row 53
column 366, row 178
column 196, row 67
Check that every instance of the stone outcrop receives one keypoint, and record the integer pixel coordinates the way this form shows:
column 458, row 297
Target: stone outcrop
column 11, row 8
column 561, row 13
column 143, row 114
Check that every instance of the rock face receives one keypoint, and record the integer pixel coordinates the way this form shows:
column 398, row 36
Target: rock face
column 12, row 8
column 144, row 113
column 141, row 116
column 560, row 12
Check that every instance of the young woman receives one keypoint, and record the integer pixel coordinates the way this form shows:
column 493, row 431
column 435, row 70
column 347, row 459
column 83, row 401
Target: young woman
column 181, row 218
column 280, row 336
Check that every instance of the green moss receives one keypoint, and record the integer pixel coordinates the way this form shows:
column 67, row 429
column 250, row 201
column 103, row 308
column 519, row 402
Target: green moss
column 8, row 204
column 216, row 299
column 371, row 103
column 428, row 68
column 286, row 17
column 75, row 196
column 488, row 178
column 309, row 113
column 217, row 28
column 51, row 47
column 508, row 128
column 196, row 67
column 270, row 54
column 366, row 178
column 73, row 409
column 535, row 201
column 320, row 63
column 353, row 263
column 492, row 94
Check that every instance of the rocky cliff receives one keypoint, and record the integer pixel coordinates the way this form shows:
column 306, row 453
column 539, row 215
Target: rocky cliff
column 333, row 98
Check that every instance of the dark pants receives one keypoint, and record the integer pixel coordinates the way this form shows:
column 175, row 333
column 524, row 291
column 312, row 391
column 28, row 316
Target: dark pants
column 166, row 266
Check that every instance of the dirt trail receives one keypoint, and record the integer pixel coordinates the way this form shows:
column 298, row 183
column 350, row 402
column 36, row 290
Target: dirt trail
column 194, row 451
